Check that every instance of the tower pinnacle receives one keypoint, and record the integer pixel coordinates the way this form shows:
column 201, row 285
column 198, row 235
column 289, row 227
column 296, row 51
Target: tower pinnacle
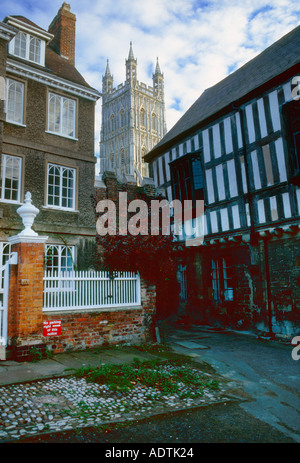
column 131, row 65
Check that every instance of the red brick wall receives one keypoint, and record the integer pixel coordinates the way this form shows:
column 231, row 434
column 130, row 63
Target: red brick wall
column 82, row 330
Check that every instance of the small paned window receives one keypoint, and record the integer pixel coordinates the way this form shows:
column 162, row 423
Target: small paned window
column 61, row 187
column 61, row 115
column 28, row 47
column 14, row 101
column 59, row 258
column 11, row 178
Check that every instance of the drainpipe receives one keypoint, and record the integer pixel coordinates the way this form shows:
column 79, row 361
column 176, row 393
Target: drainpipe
column 268, row 284
column 253, row 239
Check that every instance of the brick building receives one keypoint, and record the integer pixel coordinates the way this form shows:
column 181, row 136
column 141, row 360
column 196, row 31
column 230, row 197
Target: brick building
column 237, row 148
column 48, row 164
column 46, row 136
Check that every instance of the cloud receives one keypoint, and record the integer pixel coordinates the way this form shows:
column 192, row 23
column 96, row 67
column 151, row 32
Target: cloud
column 198, row 42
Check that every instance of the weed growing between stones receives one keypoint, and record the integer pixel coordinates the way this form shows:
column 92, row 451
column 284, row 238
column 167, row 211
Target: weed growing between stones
column 166, row 377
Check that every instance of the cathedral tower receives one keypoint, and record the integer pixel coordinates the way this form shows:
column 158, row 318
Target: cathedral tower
column 133, row 121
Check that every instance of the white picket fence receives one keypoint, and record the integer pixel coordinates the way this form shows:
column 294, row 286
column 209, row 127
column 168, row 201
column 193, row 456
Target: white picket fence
column 90, row 290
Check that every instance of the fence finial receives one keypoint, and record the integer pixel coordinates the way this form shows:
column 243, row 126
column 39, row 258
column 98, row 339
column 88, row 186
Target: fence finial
column 28, row 213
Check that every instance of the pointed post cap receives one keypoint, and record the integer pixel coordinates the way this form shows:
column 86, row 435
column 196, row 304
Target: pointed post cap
column 28, row 213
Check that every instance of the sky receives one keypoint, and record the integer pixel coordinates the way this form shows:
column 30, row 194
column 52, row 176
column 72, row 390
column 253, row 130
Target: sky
column 198, row 43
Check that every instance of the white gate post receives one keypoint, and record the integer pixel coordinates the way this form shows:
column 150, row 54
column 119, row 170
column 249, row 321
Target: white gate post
column 13, row 260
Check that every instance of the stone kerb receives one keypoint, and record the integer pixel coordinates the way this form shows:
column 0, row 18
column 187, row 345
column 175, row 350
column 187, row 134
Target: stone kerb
column 25, row 300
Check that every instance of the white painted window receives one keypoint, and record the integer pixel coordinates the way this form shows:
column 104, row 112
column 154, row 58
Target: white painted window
column 28, row 47
column 61, row 115
column 14, row 101
column 59, row 258
column 61, row 187
column 11, row 178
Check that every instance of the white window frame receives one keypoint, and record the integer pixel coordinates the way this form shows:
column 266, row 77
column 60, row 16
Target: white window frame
column 27, row 49
column 60, row 187
column 5, row 159
column 59, row 102
column 61, row 252
column 9, row 83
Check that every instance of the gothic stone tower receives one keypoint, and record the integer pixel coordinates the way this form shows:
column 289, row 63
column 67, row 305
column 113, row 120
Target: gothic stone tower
column 133, row 121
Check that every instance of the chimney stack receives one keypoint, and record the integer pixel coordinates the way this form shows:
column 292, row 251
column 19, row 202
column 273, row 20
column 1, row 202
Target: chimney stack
column 63, row 29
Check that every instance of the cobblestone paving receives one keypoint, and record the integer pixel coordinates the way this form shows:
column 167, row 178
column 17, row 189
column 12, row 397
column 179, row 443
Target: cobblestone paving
column 68, row 403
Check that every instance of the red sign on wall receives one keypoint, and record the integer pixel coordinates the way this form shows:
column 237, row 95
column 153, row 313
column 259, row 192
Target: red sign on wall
column 52, row 328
